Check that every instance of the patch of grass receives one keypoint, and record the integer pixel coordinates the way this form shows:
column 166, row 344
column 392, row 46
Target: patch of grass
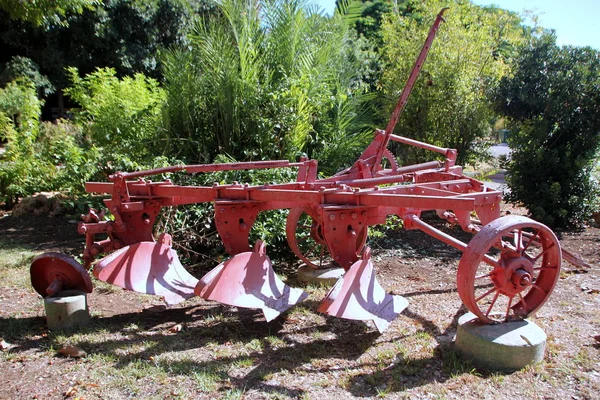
column 234, row 394
column 275, row 342
column 244, row 362
column 14, row 265
column 206, row 381
column 453, row 364
column 255, row 345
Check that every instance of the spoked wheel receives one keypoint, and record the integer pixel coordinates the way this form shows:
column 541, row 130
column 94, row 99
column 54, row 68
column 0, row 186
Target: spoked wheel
column 305, row 237
column 509, row 269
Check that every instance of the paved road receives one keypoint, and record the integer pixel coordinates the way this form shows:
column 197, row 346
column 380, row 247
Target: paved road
column 497, row 181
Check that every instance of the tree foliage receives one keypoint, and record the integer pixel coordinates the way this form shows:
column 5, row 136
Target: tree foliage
column 46, row 13
column 270, row 79
column 448, row 105
column 121, row 118
column 121, row 34
column 552, row 101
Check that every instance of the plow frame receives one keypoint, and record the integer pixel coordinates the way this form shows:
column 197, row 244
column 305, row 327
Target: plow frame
column 519, row 259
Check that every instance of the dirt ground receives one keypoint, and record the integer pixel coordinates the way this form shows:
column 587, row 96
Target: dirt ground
column 200, row 349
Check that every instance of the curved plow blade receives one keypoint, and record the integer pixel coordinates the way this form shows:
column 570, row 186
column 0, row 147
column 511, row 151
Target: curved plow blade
column 148, row 267
column 357, row 295
column 248, row 280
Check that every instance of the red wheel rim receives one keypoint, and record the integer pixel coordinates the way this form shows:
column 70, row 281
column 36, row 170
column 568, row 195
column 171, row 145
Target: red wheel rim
column 509, row 269
column 48, row 267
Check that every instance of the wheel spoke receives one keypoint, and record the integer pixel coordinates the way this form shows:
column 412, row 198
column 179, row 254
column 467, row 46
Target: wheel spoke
column 485, row 294
column 510, row 299
column 487, row 314
column 531, row 240
column 542, row 253
column 491, row 261
column 518, row 239
column 524, row 302
column 483, row 276
column 508, row 245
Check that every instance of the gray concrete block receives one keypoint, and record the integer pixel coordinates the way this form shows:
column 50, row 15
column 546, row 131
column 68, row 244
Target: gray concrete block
column 67, row 309
column 508, row 346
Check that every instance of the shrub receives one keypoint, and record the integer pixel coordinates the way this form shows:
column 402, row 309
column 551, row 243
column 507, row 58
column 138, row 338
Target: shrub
column 121, row 118
column 21, row 170
column 552, row 102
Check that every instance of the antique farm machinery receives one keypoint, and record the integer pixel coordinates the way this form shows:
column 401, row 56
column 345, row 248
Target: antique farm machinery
column 508, row 269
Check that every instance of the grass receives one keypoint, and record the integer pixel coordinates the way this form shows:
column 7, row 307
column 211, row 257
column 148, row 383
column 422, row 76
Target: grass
column 225, row 354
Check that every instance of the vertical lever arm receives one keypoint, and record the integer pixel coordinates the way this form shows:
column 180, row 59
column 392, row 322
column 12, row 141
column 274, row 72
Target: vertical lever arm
column 410, row 83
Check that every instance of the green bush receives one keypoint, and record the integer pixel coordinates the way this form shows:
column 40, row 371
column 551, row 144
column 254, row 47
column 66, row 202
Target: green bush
column 22, row 171
column 552, row 102
column 121, row 119
column 267, row 82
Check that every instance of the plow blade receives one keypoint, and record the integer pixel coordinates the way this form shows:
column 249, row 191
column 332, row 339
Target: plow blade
column 148, row 267
column 248, row 280
column 357, row 295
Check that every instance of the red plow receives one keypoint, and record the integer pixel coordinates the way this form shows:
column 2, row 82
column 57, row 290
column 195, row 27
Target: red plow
column 507, row 270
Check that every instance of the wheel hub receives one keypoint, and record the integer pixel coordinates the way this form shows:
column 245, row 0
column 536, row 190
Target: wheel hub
column 514, row 274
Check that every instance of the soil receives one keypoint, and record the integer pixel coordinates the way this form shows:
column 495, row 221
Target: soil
column 317, row 357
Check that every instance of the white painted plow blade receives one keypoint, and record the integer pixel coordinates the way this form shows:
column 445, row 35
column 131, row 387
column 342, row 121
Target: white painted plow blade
column 357, row 295
column 248, row 280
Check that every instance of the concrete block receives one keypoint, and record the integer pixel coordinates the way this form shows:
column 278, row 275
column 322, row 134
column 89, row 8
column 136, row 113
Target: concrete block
column 508, row 346
column 67, row 309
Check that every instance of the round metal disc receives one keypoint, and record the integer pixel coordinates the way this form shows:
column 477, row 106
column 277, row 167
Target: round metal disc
column 47, row 267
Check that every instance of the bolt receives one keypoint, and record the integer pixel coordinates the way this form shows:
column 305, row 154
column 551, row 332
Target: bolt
column 233, row 210
column 331, row 217
column 354, row 215
column 222, row 210
column 343, row 216
column 364, row 213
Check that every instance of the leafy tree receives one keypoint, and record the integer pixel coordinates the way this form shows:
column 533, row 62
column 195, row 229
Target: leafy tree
column 45, row 13
column 121, row 118
column 22, row 67
column 552, row 102
column 125, row 35
column 21, row 171
column 270, row 79
column 449, row 105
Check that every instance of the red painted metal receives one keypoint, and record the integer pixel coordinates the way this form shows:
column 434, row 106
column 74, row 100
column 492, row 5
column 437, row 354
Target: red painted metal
column 327, row 224
column 509, row 269
column 148, row 267
column 52, row 273
column 248, row 280
column 358, row 295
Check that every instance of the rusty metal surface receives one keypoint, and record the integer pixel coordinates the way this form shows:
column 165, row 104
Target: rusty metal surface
column 328, row 223
column 509, row 269
column 248, row 280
